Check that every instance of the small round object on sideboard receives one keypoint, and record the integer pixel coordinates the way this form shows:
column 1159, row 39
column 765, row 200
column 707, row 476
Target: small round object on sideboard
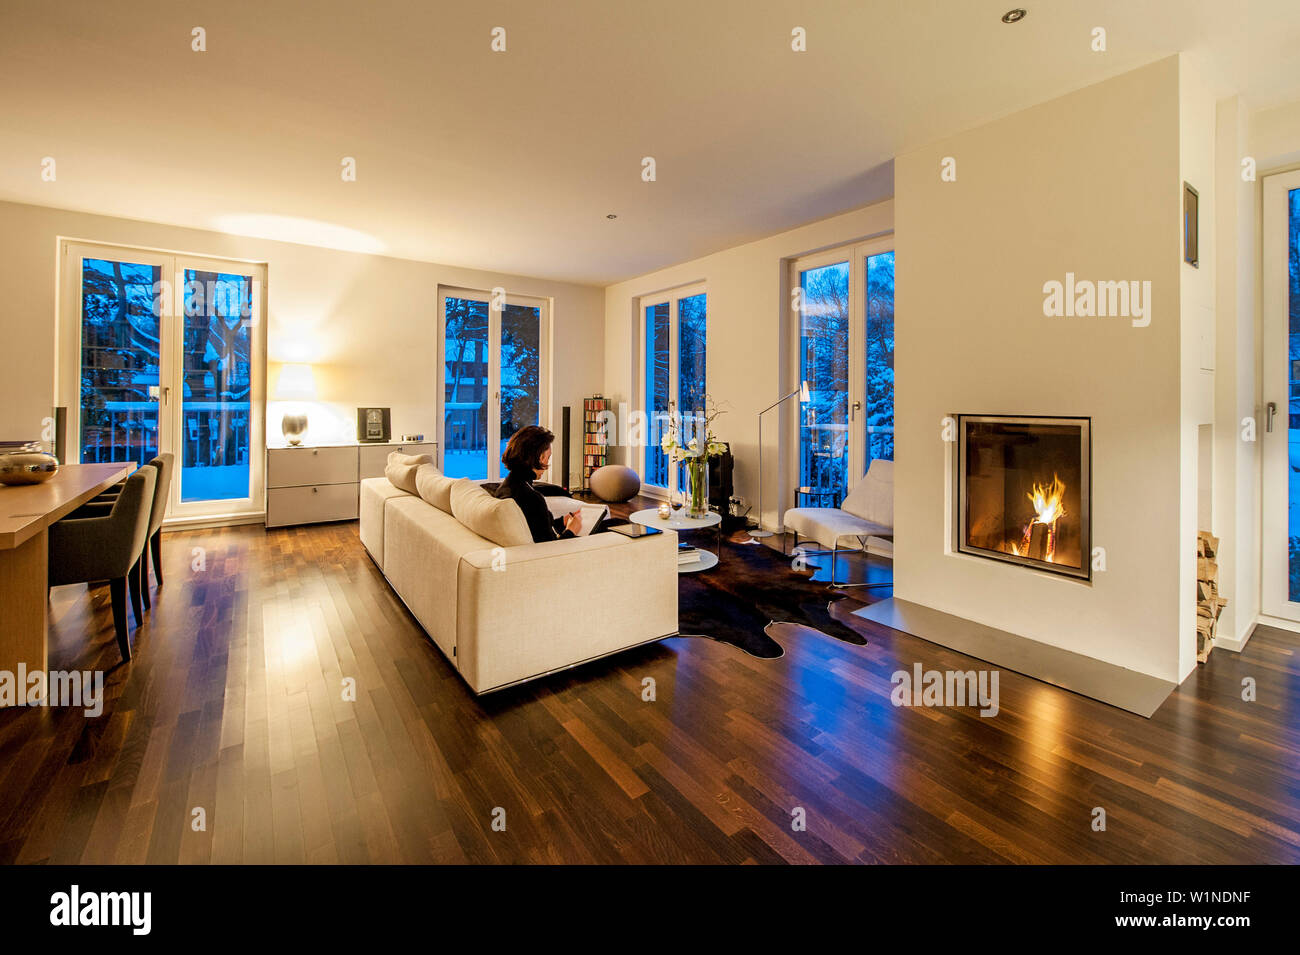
column 23, row 462
column 615, row 483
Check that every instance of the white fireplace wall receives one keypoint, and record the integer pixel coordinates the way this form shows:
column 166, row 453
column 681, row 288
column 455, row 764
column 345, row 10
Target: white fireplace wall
column 1091, row 184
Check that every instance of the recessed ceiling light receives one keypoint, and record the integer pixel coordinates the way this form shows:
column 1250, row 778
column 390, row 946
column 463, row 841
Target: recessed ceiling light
column 611, row 216
column 1014, row 16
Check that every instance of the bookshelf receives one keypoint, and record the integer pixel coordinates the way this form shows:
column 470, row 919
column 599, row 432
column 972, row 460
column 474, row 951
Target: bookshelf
column 595, row 446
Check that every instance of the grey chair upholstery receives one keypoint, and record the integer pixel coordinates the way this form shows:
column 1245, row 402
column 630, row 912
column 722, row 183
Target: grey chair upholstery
column 103, row 504
column 161, row 495
column 109, row 548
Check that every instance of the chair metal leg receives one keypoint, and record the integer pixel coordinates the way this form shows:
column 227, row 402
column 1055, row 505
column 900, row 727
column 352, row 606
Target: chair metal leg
column 133, row 585
column 833, row 585
column 155, row 545
column 117, row 596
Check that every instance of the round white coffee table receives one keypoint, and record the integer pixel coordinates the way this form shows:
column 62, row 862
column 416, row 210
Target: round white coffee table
column 678, row 521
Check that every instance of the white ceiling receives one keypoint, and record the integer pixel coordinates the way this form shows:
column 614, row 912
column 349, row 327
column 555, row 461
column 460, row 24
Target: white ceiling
column 510, row 161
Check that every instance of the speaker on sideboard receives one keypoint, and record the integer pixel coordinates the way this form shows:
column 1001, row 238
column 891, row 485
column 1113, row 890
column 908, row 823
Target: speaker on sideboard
column 564, row 447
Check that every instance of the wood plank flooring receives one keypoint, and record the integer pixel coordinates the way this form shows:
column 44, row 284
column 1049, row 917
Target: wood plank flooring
column 234, row 705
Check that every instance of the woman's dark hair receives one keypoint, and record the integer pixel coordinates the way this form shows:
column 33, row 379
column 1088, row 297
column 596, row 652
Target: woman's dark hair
column 524, row 449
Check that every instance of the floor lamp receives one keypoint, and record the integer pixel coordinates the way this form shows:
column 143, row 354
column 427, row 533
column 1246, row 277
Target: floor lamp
column 802, row 392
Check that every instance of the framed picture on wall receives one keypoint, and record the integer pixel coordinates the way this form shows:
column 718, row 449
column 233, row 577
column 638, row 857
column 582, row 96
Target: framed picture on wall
column 1191, row 227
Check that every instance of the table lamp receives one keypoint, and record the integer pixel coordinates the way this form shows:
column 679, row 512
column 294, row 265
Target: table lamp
column 297, row 383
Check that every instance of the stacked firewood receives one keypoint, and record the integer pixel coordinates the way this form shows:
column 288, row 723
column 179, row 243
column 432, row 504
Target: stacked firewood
column 1208, row 602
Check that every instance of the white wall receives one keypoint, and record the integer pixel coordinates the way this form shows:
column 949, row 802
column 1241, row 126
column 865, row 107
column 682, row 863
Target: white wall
column 367, row 323
column 1197, row 143
column 1089, row 183
column 748, row 340
column 1236, row 462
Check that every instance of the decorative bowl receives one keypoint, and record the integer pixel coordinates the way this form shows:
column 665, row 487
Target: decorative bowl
column 23, row 462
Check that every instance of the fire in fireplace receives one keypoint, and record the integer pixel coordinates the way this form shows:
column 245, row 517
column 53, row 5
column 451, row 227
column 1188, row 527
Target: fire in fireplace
column 1022, row 491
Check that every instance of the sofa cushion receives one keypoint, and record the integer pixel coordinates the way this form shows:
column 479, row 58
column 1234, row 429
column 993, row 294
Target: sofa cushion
column 498, row 519
column 872, row 498
column 375, row 495
column 435, row 487
column 402, row 467
column 830, row 526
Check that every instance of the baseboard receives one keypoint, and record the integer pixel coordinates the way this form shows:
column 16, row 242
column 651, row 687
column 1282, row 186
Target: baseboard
column 1087, row 676
column 216, row 520
column 1280, row 622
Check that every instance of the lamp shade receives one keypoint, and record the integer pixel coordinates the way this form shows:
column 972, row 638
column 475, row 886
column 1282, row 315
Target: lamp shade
column 803, row 392
column 297, row 383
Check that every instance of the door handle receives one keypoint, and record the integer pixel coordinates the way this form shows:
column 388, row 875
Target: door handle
column 853, row 410
column 1271, row 409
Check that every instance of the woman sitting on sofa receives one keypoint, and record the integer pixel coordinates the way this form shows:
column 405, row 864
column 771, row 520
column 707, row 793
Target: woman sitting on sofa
column 527, row 456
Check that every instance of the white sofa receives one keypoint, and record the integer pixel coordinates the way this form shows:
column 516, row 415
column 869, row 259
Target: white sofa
column 503, row 615
column 868, row 511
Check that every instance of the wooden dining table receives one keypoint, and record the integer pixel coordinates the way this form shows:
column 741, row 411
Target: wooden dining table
column 26, row 513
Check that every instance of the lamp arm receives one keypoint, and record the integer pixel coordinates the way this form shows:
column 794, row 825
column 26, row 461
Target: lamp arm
column 778, row 401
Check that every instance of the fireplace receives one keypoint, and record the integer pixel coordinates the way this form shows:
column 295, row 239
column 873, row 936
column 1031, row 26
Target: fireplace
column 1022, row 491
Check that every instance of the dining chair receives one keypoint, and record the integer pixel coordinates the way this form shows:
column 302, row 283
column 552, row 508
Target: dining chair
column 108, row 547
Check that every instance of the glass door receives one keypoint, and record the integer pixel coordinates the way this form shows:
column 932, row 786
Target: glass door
column 845, row 353
column 1281, row 424
column 674, row 377
column 493, row 358
column 116, row 385
column 216, row 429
column 162, row 353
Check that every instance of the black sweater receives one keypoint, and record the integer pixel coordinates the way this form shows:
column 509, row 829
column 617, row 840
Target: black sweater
column 518, row 486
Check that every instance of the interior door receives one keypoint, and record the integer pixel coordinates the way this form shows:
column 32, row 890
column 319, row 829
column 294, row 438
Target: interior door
column 1281, row 386
column 493, row 351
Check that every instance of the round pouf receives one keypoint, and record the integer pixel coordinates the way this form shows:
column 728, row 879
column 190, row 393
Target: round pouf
column 615, row 482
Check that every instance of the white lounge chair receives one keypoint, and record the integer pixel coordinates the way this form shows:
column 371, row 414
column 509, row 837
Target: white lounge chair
column 868, row 511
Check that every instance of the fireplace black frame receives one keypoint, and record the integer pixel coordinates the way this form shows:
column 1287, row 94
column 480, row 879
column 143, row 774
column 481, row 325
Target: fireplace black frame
column 1085, row 494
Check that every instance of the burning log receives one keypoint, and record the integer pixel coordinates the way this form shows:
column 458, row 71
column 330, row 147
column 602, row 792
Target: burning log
column 1038, row 541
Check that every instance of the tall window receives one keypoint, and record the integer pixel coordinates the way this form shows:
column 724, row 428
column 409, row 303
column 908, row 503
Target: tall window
column 1279, row 430
column 674, row 372
column 493, row 380
column 1293, row 393
column 824, row 365
column 657, row 401
column 157, row 354
column 217, row 386
column 846, row 356
column 880, row 357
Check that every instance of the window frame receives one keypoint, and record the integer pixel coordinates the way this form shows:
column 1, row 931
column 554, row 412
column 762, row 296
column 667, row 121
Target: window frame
column 856, row 255
column 671, row 297
column 493, row 426
column 68, row 356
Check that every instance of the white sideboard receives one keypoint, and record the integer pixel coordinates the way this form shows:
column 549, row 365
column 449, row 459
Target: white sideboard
column 310, row 485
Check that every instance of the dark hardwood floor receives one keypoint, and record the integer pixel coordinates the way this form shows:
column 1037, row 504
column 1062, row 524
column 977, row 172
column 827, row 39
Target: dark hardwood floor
column 233, row 705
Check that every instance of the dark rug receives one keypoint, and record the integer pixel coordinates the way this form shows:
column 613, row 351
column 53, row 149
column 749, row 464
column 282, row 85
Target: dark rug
column 751, row 588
